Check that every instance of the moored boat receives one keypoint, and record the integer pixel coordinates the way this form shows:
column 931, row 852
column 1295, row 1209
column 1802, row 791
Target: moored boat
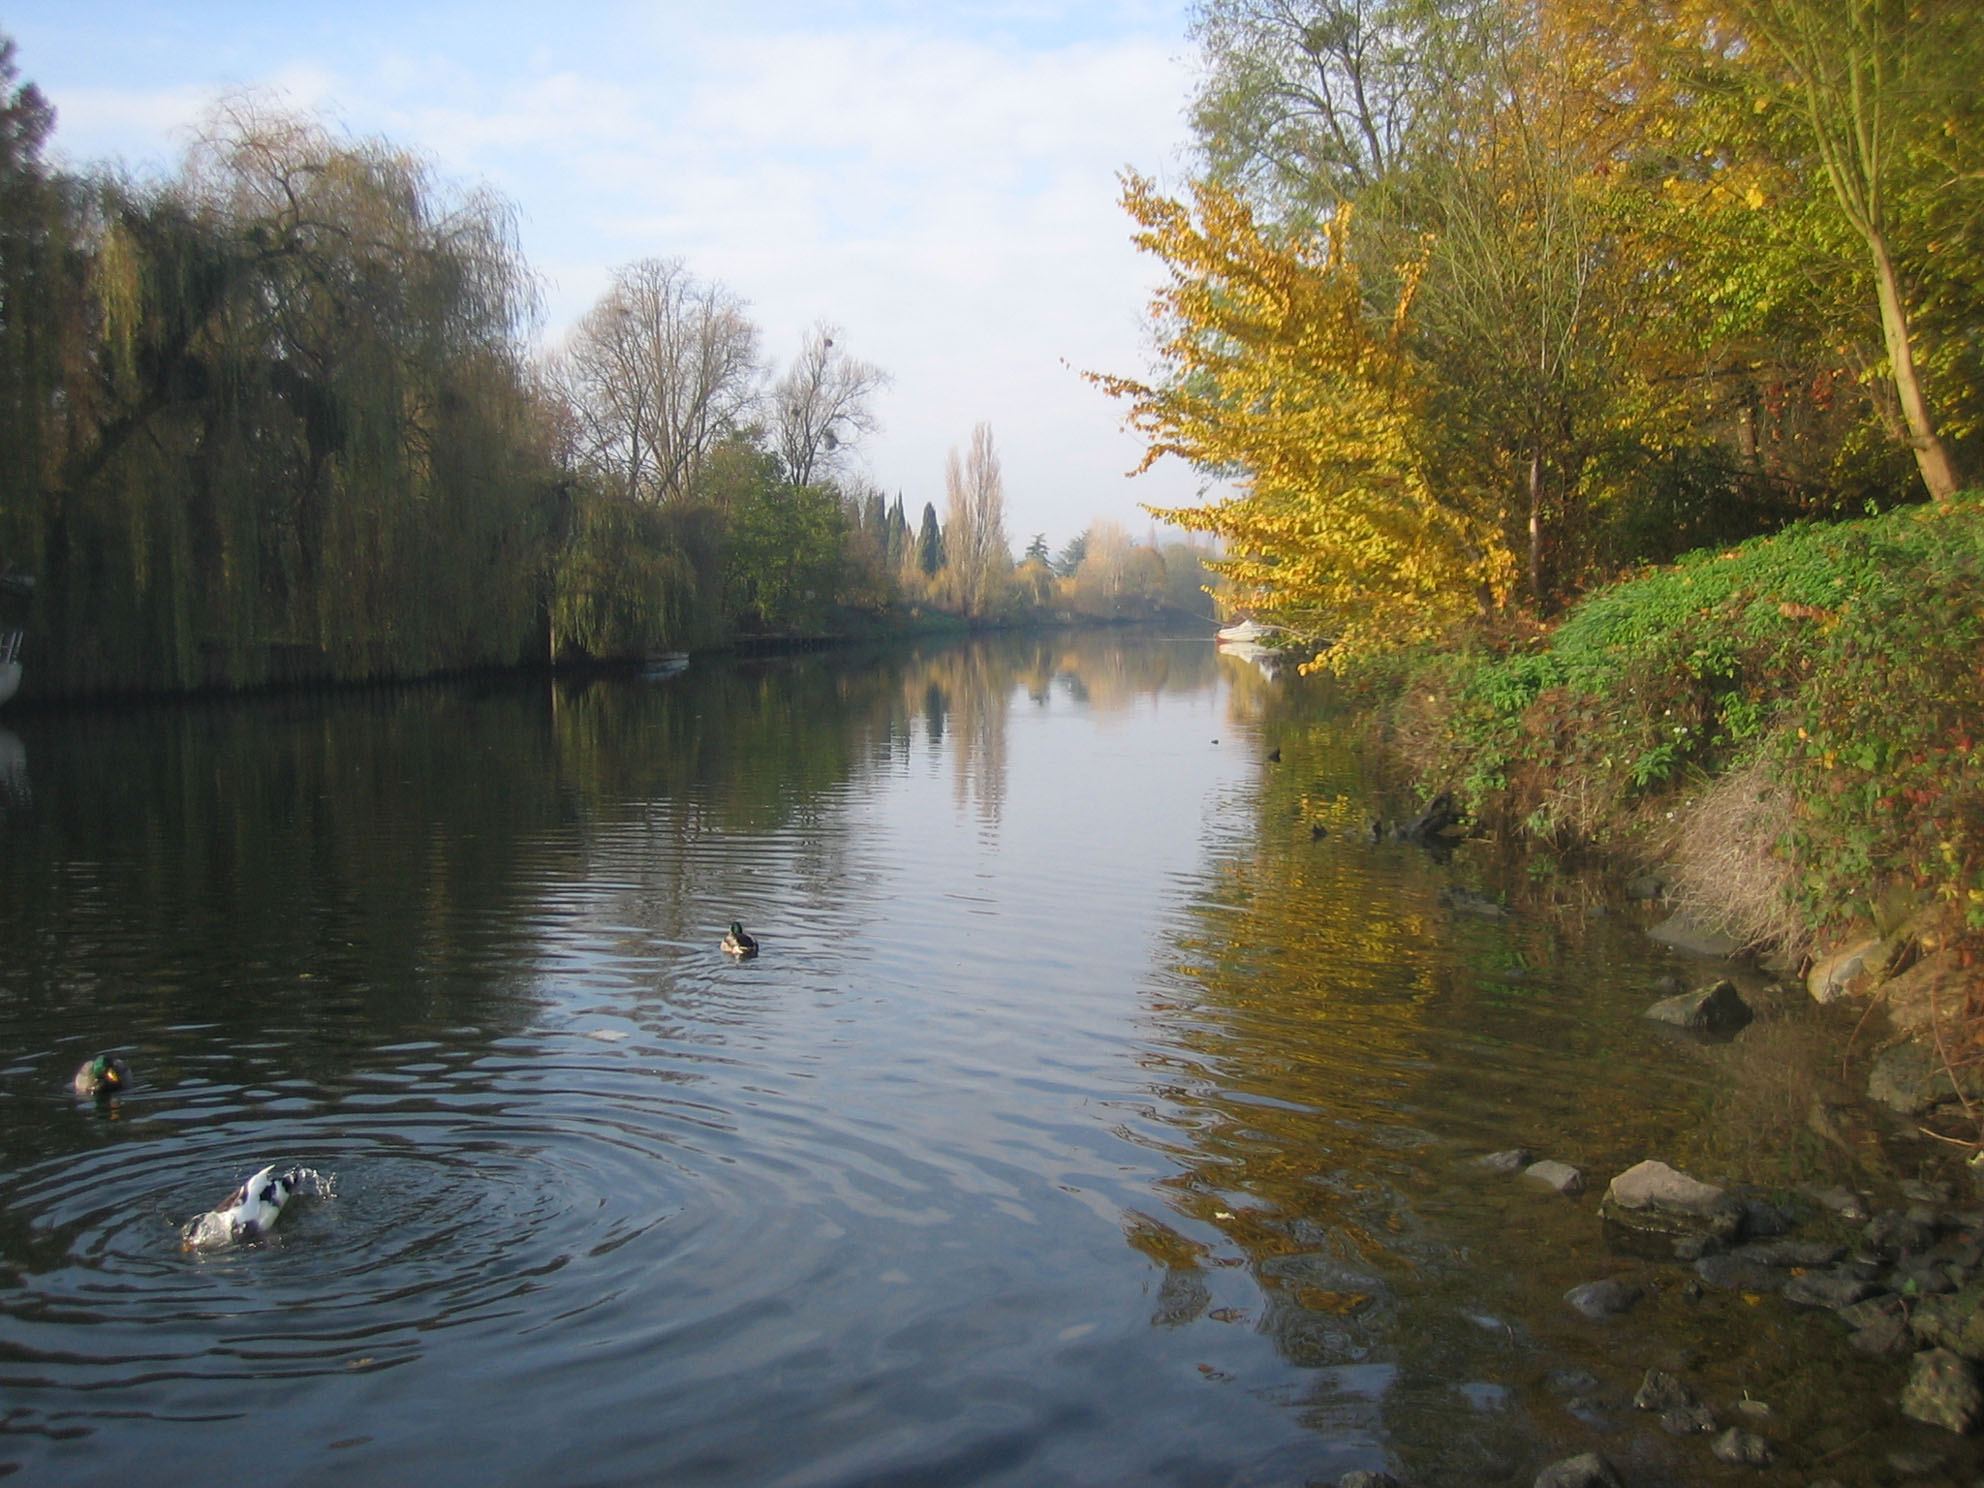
column 1242, row 632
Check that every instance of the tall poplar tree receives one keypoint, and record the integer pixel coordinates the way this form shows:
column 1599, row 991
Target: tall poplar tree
column 976, row 552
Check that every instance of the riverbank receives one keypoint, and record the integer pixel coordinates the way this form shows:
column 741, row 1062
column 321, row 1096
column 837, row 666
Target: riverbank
column 855, row 633
column 1780, row 739
column 1844, row 1199
column 1773, row 751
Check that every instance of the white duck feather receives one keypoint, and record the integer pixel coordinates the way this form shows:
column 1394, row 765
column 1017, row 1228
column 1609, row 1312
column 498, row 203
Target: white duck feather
column 251, row 1211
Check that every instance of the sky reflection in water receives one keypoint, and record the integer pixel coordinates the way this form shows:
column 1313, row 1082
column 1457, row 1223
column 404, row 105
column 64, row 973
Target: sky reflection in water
column 1086, row 1118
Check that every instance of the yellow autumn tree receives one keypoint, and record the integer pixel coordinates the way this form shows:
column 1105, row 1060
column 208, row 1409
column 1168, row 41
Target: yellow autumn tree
column 1281, row 379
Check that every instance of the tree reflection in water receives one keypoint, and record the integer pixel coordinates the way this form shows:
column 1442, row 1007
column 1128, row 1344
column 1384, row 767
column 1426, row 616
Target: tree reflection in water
column 1332, row 1048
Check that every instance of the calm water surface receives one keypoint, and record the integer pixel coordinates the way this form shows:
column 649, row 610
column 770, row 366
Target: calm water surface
column 1087, row 1118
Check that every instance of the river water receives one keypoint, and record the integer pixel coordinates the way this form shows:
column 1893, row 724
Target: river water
column 1102, row 1108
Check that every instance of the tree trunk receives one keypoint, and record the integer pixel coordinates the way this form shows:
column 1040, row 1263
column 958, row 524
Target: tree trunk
column 1932, row 456
column 1536, row 528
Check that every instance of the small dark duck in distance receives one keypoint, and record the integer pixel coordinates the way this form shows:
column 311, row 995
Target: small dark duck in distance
column 737, row 943
column 102, row 1077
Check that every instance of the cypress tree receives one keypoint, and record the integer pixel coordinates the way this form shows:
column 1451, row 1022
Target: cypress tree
column 930, row 546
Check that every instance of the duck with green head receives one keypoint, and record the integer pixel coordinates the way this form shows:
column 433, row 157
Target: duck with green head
column 102, row 1077
column 739, row 944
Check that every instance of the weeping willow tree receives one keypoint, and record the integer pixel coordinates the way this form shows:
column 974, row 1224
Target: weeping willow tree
column 624, row 582
column 39, row 293
column 272, row 419
column 298, row 439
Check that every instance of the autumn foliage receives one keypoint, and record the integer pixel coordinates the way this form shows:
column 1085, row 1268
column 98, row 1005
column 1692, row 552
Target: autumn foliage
column 1474, row 306
column 1281, row 374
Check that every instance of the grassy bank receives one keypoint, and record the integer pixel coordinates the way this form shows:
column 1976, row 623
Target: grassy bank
column 1791, row 726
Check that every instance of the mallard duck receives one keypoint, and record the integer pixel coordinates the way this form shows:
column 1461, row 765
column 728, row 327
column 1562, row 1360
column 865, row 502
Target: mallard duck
column 739, row 944
column 252, row 1209
column 102, row 1077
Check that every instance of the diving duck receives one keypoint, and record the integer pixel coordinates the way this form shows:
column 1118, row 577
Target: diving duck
column 739, row 944
column 252, row 1209
column 102, row 1077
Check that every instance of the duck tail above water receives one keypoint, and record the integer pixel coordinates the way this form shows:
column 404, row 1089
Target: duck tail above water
column 251, row 1211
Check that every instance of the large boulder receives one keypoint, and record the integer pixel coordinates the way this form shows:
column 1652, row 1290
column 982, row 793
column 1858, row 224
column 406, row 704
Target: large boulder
column 1910, row 1078
column 1850, row 970
column 1934, row 990
column 1717, row 1008
column 1650, row 1198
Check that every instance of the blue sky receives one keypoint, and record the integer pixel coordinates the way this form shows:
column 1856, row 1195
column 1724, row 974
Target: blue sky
column 940, row 181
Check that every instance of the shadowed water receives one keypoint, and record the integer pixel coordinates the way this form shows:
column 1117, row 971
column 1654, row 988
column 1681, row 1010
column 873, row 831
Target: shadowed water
column 1088, row 1118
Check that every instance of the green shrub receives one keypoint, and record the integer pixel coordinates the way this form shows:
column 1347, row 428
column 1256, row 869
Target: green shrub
column 1850, row 654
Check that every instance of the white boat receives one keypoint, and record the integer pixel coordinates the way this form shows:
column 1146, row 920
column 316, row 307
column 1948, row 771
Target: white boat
column 1243, row 633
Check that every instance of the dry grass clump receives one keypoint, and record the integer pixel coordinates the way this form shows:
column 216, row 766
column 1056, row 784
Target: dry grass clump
column 1411, row 735
column 1728, row 872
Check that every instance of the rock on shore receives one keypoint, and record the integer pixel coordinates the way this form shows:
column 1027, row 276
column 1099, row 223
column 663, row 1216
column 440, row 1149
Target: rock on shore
column 1652, row 1198
column 1717, row 1008
column 1942, row 1390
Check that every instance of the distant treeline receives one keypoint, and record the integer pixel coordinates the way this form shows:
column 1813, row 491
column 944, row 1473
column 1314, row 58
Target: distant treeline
column 278, row 417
